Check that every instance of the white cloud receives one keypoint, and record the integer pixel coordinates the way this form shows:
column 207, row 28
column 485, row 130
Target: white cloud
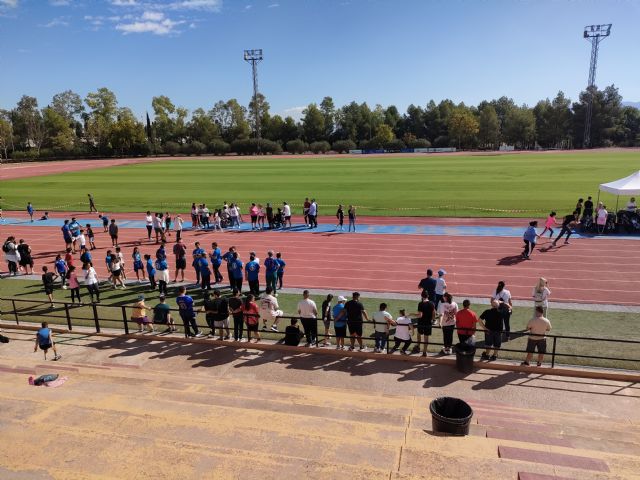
column 60, row 3
column 124, row 3
column 153, row 16
column 9, row 3
column 211, row 5
column 274, row 5
column 294, row 112
column 57, row 22
column 165, row 26
column 248, row 7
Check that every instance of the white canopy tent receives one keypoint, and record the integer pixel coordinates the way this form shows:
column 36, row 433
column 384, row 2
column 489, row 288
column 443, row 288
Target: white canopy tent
column 625, row 186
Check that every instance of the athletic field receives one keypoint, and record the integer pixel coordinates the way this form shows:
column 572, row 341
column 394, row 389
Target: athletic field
column 519, row 185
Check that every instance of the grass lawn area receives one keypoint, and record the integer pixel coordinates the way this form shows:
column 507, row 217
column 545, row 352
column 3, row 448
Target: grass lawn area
column 565, row 322
column 513, row 185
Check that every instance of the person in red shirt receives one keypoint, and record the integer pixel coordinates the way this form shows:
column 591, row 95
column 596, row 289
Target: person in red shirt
column 251, row 315
column 466, row 320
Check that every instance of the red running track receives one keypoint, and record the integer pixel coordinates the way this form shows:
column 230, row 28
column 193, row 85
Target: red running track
column 586, row 271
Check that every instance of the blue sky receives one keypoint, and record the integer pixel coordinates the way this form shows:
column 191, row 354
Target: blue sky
column 379, row 51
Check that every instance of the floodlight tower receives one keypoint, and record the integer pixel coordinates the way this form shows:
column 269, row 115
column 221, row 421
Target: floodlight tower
column 594, row 34
column 254, row 57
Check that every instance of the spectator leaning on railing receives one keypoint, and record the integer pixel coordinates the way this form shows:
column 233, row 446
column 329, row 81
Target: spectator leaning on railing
column 537, row 327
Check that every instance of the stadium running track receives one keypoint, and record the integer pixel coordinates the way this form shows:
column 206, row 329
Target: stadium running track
column 589, row 270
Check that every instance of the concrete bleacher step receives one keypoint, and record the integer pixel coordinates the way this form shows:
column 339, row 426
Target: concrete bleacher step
column 271, row 430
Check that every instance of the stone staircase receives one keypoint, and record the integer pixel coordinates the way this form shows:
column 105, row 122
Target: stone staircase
column 124, row 421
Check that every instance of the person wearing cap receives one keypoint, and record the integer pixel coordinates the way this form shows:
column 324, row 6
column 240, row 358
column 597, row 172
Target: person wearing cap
column 139, row 315
column 441, row 287
column 355, row 312
column 428, row 284
column 162, row 315
column 340, row 324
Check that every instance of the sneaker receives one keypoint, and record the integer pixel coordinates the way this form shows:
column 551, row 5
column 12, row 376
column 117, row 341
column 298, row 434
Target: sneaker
column 566, row 242
column 351, row 349
column 327, row 344
column 443, row 351
column 484, row 356
column 362, row 349
column 64, row 287
column 307, row 345
column 525, row 364
column 226, row 337
column 199, row 335
column 538, row 364
column 57, row 357
column 376, row 350
column 338, row 347
column 424, row 354
column 404, row 352
column 493, row 357
column 274, row 328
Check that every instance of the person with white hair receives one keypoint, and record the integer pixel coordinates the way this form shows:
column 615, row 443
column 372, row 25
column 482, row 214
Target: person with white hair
column 541, row 295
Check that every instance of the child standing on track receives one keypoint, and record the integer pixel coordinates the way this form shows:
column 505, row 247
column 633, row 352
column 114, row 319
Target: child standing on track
column 281, row 265
column 137, row 264
column 61, row 269
column 91, row 237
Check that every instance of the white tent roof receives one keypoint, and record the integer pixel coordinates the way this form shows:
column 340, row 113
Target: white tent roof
column 625, row 186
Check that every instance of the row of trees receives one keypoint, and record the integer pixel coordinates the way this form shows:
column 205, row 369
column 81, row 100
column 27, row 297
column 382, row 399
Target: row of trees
column 97, row 125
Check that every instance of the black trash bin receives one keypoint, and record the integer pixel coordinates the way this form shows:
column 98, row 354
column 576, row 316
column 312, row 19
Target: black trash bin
column 464, row 357
column 450, row 415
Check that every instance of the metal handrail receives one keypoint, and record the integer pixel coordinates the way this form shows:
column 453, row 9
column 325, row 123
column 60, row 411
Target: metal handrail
column 125, row 321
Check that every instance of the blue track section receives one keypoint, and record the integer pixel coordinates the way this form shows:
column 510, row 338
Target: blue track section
column 436, row 230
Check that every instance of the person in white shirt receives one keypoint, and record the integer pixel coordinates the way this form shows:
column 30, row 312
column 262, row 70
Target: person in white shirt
column 382, row 320
column 541, row 295
column 157, row 226
column 537, row 327
column 447, row 310
column 179, row 223
column 269, row 310
column 286, row 213
column 234, row 213
column 308, row 312
column 82, row 239
column 91, row 281
column 441, row 287
column 313, row 214
column 503, row 296
column 404, row 330
column 149, row 224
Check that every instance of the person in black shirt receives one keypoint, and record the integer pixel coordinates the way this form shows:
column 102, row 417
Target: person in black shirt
column 26, row 260
column 340, row 217
column 492, row 323
column 292, row 334
column 579, row 206
column 428, row 285
column 355, row 312
column 588, row 207
column 568, row 223
column 326, row 319
column 47, row 282
column 270, row 216
column 235, row 307
column 427, row 315
column 221, row 319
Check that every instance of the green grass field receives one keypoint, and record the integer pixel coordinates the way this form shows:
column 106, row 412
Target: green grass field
column 501, row 185
column 565, row 322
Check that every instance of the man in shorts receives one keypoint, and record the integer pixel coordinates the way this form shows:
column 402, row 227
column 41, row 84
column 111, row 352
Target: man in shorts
column 44, row 341
column 355, row 312
column 269, row 310
column 426, row 316
column 113, row 232
column 180, row 251
column 492, row 323
column 220, row 307
column 47, row 282
column 537, row 327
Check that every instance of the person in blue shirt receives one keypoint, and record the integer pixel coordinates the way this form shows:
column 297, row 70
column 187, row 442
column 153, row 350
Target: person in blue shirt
column 137, row 263
column 252, row 270
column 281, row 265
column 74, row 227
column 187, row 313
column 237, row 272
column 61, row 269
column 216, row 261
column 196, row 256
column 105, row 222
column 44, row 341
column 151, row 271
column 30, row 210
column 108, row 259
column 530, row 237
column 340, row 322
column 161, row 253
column 271, row 270
column 85, row 255
column 228, row 257
column 205, row 273
column 66, row 234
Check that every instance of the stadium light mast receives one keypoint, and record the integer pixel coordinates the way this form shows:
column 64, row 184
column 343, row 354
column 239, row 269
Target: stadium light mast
column 254, row 57
column 593, row 34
